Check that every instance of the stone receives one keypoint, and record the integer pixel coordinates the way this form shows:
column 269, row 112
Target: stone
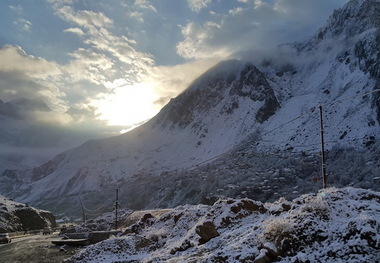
column 206, row 231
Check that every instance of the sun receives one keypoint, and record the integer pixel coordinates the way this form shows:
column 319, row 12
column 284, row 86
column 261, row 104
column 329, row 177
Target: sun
column 128, row 105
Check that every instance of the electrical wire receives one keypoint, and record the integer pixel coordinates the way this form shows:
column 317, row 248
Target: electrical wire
column 87, row 209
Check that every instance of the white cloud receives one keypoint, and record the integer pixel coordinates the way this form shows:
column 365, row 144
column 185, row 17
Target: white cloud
column 18, row 8
column 14, row 59
column 144, row 4
column 139, row 16
column 61, row 2
column 84, row 18
column 74, row 30
column 198, row 5
column 90, row 66
column 106, row 53
column 199, row 42
column 23, row 24
column 236, row 11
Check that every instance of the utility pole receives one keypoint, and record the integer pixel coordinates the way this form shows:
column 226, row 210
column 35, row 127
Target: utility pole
column 324, row 176
column 116, row 206
column 83, row 213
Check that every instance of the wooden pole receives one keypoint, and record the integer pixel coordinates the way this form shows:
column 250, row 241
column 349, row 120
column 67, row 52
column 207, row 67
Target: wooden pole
column 83, row 213
column 116, row 207
column 324, row 176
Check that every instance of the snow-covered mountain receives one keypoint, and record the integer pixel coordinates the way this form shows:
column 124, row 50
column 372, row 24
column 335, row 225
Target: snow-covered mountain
column 271, row 106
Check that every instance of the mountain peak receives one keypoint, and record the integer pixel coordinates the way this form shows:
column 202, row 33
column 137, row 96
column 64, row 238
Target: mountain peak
column 222, row 89
column 354, row 18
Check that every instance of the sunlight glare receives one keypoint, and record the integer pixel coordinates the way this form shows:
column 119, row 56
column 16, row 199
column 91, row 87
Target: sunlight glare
column 129, row 105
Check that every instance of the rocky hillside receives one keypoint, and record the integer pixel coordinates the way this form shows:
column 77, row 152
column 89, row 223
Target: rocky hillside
column 15, row 216
column 335, row 225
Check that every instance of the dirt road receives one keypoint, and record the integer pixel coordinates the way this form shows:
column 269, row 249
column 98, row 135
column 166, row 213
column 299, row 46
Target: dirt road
column 33, row 249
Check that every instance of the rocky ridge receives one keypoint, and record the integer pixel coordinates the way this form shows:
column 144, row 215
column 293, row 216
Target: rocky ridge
column 15, row 217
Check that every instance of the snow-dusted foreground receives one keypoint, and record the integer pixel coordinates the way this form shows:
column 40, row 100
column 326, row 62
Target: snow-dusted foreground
column 335, row 225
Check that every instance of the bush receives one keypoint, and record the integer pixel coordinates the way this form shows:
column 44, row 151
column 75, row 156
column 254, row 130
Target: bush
column 317, row 208
column 281, row 232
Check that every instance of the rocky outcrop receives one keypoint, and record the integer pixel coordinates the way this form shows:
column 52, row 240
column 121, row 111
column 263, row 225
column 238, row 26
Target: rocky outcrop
column 218, row 88
column 206, row 231
column 20, row 217
column 253, row 84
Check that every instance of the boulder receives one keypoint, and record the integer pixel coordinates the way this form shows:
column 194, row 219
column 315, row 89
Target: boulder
column 206, row 231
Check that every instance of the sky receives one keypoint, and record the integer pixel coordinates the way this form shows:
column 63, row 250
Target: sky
column 108, row 66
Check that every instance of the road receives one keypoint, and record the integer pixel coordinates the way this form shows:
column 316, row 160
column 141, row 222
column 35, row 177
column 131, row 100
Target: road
column 36, row 248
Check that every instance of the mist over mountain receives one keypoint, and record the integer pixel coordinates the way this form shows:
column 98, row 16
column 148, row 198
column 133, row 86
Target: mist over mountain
column 241, row 129
column 31, row 133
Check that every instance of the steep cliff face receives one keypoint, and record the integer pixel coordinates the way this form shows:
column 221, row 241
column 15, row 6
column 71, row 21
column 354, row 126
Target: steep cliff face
column 225, row 87
column 354, row 18
column 358, row 25
column 20, row 217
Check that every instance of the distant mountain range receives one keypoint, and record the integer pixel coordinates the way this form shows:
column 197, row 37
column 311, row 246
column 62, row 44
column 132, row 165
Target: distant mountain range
column 236, row 115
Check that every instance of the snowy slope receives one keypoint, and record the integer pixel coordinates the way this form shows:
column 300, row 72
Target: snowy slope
column 206, row 120
column 273, row 105
column 337, row 68
column 335, row 225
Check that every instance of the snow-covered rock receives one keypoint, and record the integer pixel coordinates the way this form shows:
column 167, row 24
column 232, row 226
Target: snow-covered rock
column 15, row 216
column 335, row 225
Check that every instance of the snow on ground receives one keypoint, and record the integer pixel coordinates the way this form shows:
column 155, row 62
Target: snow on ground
column 335, row 225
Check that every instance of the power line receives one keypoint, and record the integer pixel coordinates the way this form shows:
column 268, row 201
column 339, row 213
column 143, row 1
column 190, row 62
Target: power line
column 87, row 209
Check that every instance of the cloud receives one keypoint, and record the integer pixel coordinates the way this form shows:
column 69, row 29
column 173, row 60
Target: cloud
column 104, row 54
column 23, row 24
column 257, row 24
column 17, row 9
column 14, row 59
column 74, row 30
column 198, row 5
column 26, row 76
column 84, row 18
column 139, row 16
column 198, row 42
column 90, row 66
column 144, row 4
column 172, row 80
